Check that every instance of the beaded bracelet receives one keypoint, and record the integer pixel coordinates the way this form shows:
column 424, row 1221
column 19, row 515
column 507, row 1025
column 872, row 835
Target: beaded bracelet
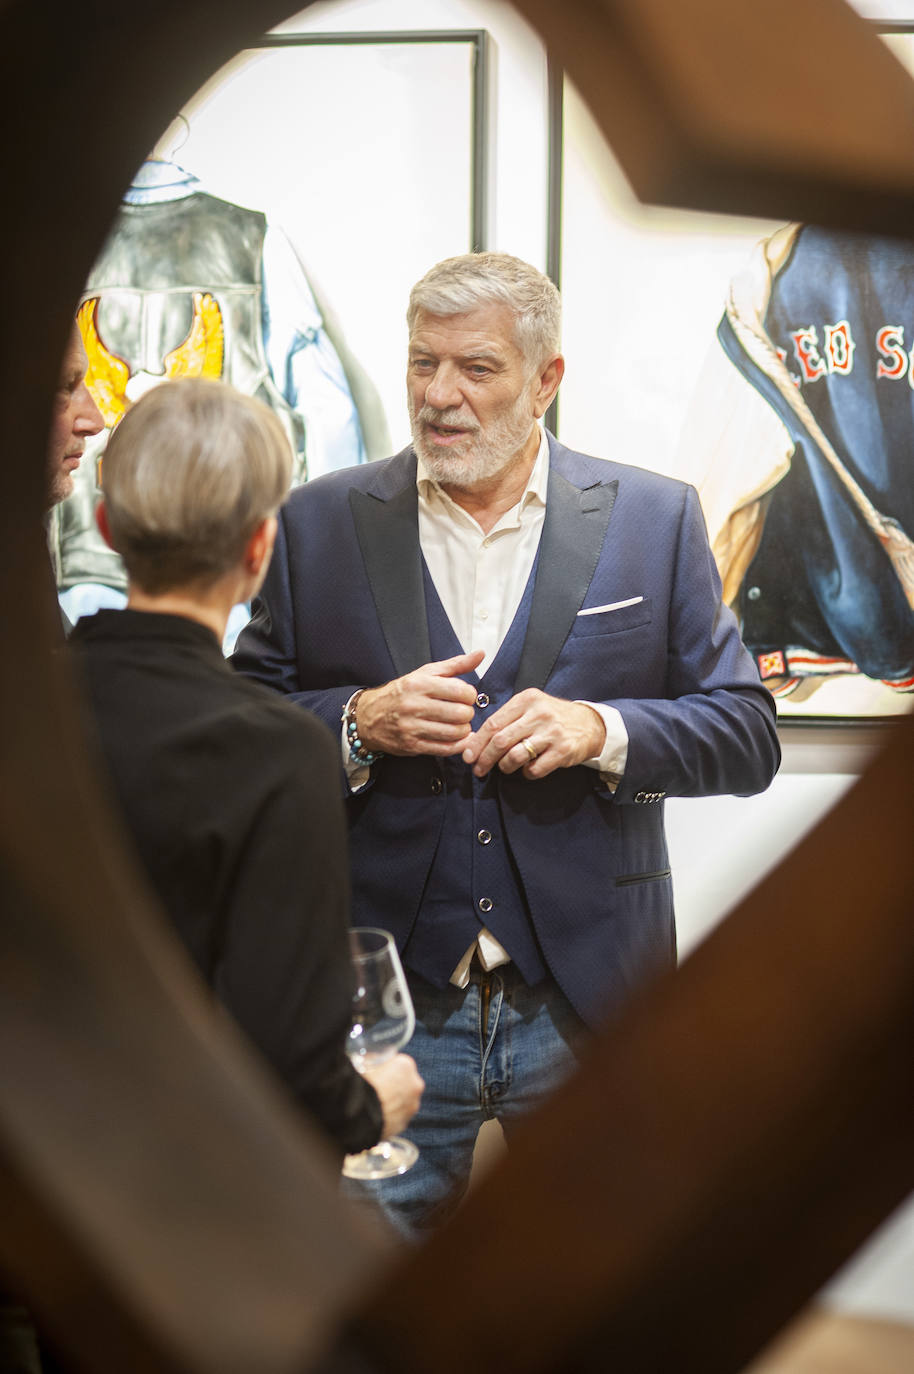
column 358, row 754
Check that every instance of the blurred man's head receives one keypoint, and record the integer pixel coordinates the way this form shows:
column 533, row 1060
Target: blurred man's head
column 190, row 473
column 75, row 418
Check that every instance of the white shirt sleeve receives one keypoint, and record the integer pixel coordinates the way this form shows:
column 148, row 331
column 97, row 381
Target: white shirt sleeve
column 610, row 762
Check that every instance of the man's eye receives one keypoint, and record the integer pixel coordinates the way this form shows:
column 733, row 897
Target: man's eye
column 477, row 370
column 421, row 364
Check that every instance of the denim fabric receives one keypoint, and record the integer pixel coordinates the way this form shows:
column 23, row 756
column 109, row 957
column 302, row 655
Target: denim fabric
column 472, row 1073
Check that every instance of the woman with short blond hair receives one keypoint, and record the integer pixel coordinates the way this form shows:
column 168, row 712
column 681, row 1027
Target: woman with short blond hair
column 232, row 795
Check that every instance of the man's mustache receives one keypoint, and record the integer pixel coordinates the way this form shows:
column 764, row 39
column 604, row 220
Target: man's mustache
column 450, row 419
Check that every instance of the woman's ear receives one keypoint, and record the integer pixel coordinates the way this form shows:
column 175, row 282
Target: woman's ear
column 259, row 548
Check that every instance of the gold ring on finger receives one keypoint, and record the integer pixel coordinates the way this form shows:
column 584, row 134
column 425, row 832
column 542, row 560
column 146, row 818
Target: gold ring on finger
column 530, row 749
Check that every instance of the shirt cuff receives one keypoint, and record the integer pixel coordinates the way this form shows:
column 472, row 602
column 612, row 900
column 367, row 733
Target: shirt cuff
column 610, row 762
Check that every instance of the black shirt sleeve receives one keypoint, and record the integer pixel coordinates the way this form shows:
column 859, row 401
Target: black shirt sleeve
column 283, row 969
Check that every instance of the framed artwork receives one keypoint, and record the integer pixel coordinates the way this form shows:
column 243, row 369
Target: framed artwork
column 370, row 151
column 772, row 366
column 270, row 240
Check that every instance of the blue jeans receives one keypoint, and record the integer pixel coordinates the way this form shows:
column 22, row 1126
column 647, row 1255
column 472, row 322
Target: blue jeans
column 491, row 1050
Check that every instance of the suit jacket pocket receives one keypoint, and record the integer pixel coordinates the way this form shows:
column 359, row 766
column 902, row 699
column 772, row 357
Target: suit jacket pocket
column 631, row 879
column 613, row 619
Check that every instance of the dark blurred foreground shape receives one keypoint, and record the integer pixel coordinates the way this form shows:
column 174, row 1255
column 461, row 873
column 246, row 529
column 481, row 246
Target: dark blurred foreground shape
column 744, row 1127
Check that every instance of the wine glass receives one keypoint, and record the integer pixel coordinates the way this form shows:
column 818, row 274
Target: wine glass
column 382, row 1021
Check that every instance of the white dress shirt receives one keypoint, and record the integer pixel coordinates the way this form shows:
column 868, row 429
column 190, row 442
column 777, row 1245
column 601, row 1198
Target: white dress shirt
column 480, row 579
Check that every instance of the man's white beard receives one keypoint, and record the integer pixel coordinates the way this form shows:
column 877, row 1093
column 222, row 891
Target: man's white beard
column 480, row 455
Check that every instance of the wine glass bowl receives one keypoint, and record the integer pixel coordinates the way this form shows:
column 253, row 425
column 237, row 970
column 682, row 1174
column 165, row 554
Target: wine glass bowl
column 382, row 1022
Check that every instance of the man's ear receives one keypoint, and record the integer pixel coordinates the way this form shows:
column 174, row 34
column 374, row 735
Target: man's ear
column 104, row 529
column 548, row 384
column 259, row 548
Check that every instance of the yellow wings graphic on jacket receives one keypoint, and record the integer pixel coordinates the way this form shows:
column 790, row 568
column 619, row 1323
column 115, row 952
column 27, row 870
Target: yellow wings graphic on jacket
column 201, row 354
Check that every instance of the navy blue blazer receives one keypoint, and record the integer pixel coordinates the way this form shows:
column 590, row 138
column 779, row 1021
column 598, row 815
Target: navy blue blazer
column 343, row 607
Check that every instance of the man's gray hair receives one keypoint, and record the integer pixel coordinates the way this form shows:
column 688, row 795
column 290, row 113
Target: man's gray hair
column 458, row 285
column 187, row 476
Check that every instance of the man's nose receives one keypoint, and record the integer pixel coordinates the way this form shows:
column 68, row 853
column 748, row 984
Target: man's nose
column 443, row 391
column 90, row 419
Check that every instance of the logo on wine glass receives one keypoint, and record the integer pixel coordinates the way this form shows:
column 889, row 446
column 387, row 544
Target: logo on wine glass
column 392, row 1000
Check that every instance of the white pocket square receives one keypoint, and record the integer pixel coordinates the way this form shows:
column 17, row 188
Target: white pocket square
column 613, row 606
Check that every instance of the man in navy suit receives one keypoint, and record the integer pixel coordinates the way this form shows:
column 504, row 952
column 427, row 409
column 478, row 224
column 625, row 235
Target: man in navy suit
column 523, row 651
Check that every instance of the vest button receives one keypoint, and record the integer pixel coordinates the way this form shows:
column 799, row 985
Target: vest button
column 482, row 700
column 485, row 904
column 484, row 837
column 437, row 786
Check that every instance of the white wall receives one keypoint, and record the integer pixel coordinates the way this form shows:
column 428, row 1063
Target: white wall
column 517, row 192
column 643, row 289
column 720, row 847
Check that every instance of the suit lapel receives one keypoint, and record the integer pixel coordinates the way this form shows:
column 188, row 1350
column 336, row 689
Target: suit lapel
column 573, row 533
column 388, row 535
column 387, row 527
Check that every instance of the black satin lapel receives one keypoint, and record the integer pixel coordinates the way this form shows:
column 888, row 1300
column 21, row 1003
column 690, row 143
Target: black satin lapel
column 388, row 534
column 573, row 533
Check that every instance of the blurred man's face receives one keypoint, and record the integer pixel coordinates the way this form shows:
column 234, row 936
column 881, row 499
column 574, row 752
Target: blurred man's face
column 75, row 418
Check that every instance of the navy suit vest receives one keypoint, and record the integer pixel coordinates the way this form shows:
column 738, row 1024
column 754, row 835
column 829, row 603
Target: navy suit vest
column 474, row 881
